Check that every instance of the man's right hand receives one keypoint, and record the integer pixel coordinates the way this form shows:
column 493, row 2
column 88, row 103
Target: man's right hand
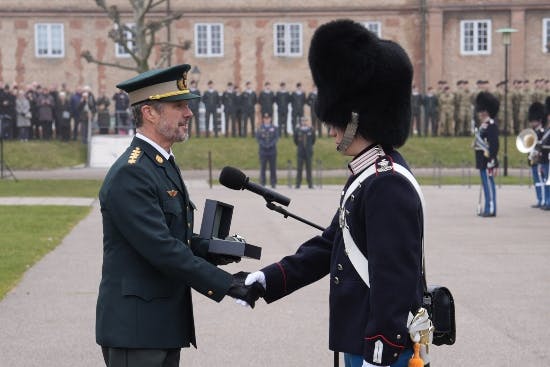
column 246, row 293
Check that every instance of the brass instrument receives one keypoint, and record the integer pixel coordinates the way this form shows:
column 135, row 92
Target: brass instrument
column 526, row 142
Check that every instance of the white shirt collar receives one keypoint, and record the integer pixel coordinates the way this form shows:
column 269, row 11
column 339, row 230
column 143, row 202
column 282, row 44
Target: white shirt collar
column 161, row 150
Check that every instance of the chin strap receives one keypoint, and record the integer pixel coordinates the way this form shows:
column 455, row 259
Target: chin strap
column 349, row 133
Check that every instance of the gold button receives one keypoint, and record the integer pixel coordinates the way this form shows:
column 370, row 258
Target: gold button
column 210, row 293
column 340, row 267
column 336, row 280
column 395, row 354
column 398, row 336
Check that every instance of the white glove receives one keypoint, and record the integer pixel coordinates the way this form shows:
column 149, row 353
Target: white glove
column 251, row 278
column 420, row 325
column 367, row 364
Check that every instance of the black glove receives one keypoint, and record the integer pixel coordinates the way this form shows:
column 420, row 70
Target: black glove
column 218, row 259
column 249, row 294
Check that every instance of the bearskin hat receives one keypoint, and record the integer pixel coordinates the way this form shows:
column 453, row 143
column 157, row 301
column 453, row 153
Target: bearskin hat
column 536, row 112
column 355, row 71
column 485, row 101
column 547, row 105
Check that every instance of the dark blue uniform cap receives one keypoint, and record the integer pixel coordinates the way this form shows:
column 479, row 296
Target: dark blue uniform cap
column 166, row 85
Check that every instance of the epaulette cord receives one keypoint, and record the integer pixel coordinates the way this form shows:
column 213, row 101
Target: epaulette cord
column 134, row 155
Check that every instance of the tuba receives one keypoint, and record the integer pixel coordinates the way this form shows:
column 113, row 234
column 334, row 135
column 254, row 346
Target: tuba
column 526, row 142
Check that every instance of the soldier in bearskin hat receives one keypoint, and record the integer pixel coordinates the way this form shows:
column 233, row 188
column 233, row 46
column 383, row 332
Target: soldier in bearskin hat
column 536, row 117
column 486, row 149
column 364, row 96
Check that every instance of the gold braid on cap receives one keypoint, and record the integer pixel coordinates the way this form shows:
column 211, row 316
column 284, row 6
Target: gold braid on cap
column 349, row 133
column 182, row 89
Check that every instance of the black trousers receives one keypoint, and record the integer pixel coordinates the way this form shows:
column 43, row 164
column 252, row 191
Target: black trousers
column 122, row 357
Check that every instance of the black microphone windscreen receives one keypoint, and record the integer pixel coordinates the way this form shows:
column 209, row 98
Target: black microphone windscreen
column 232, row 178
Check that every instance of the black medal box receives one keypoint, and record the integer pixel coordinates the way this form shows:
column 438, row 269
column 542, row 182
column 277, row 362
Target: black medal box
column 216, row 221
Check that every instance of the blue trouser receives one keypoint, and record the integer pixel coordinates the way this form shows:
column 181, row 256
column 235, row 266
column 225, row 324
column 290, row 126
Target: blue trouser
column 538, row 183
column 353, row 360
column 544, row 168
column 270, row 159
column 489, row 191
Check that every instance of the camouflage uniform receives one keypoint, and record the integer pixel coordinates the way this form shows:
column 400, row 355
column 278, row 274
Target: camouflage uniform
column 446, row 113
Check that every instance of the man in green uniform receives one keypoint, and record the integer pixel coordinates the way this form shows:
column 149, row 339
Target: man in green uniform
column 446, row 112
column 151, row 258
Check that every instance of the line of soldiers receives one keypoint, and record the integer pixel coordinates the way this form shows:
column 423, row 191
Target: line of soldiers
column 446, row 112
column 240, row 107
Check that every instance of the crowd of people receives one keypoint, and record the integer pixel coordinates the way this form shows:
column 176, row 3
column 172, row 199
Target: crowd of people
column 447, row 112
column 37, row 112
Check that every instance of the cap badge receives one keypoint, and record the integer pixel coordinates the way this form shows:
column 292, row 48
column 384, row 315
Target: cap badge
column 182, row 83
column 172, row 193
column 159, row 159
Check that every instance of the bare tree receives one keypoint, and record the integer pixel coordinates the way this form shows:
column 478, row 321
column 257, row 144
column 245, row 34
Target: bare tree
column 139, row 39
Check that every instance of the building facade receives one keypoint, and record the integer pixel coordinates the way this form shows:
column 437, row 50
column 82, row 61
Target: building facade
column 263, row 40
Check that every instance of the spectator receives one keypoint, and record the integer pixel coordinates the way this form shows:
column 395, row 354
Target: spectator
column 103, row 114
column 23, row 109
column 63, row 114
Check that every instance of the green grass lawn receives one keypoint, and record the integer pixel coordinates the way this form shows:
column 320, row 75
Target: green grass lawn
column 66, row 188
column 243, row 153
column 28, row 233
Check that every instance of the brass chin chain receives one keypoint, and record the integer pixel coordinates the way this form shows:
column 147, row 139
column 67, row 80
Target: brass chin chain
column 349, row 133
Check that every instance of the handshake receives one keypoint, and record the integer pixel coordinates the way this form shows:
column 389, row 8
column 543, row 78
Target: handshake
column 247, row 288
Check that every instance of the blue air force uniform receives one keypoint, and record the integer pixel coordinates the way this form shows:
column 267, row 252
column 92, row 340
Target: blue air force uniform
column 486, row 163
column 267, row 137
column 384, row 215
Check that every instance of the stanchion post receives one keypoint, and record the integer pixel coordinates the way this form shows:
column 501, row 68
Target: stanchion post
column 210, row 168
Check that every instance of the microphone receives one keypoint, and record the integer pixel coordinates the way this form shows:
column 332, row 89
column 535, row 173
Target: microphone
column 235, row 179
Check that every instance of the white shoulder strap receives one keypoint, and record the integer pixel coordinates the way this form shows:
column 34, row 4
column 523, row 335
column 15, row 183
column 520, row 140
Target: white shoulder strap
column 358, row 260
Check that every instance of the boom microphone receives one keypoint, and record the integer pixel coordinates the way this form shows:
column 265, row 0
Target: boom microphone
column 235, row 179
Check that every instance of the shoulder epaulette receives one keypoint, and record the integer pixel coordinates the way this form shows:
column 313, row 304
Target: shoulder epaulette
column 134, row 155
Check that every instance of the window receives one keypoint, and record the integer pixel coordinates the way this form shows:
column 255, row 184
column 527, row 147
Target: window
column 120, row 51
column 475, row 37
column 49, row 40
column 374, row 27
column 209, row 40
column 287, row 39
column 546, row 35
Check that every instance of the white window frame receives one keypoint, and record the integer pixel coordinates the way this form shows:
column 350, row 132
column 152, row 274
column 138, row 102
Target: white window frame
column 210, row 48
column 44, row 33
column 375, row 27
column 130, row 43
column 475, row 23
column 546, row 35
column 284, row 43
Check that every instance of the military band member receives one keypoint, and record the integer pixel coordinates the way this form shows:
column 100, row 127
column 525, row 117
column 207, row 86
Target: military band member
column 544, row 162
column 304, row 138
column 151, row 258
column 369, row 115
column 267, row 136
column 486, row 149
column 534, row 158
column 526, row 100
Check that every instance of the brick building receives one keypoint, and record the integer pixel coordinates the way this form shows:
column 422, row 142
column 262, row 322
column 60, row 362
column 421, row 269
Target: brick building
column 263, row 40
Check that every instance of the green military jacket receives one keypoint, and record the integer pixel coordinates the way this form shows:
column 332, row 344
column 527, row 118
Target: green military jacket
column 151, row 259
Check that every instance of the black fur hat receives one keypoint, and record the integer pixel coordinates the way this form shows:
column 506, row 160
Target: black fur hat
column 536, row 112
column 485, row 101
column 355, row 71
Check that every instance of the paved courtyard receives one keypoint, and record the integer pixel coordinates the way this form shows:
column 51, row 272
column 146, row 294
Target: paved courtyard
column 497, row 269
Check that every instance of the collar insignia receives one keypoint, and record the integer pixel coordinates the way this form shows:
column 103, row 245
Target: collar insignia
column 172, row 193
column 159, row 159
column 132, row 159
column 383, row 165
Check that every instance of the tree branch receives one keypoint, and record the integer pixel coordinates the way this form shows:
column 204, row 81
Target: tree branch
column 89, row 58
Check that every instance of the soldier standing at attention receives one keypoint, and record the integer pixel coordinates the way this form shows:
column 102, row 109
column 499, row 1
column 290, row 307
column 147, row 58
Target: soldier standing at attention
column 304, row 138
column 535, row 159
column 194, row 106
column 431, row 113
column 228, row 101
column 298, row 100
column 464, row 110
column 211, row 100
column 282, row 98
column 267, row 137
column 416, row 106
column 151, row 258
column 316, row 124
column 266, row 100
column 486, row 149
column 446, row 114
column 248, row 103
